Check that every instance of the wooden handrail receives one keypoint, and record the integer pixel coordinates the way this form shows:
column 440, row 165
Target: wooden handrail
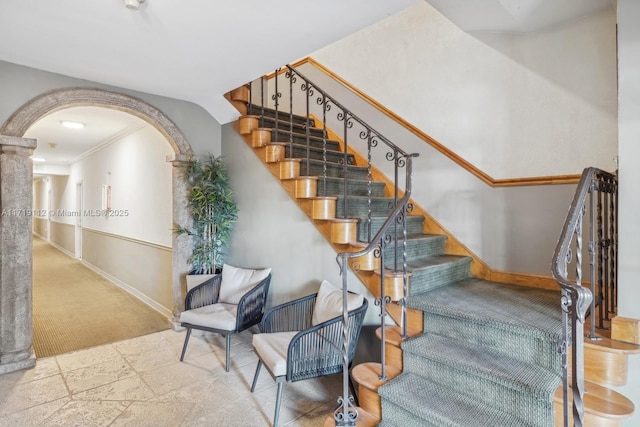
column 483, row 176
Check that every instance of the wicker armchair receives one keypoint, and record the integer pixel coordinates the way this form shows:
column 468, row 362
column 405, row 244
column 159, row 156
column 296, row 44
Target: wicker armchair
column 205, row 311
column 292, row 348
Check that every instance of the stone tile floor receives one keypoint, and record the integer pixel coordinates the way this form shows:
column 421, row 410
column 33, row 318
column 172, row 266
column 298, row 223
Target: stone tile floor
column 141, row 382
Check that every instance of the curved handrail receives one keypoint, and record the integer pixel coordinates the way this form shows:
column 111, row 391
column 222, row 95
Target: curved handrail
column 576, row 299
column 351, row 114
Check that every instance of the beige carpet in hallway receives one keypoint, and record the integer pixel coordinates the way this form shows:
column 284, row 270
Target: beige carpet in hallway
column 75, row 308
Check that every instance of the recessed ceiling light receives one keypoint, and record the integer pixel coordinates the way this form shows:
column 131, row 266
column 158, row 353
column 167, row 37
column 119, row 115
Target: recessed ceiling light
column 38, row 159
column 72, row 125
column 133, row 4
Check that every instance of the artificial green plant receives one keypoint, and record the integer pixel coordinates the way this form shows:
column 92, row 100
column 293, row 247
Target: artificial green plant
column 213, row 210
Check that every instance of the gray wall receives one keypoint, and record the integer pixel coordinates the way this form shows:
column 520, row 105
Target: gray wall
column 19, row 84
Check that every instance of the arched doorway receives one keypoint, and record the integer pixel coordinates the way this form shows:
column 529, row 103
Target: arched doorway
column 15, row 312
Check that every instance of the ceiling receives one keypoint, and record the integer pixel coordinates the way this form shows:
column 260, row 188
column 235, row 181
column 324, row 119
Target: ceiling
column 193, row 50
column 200, row 49
column 515, row 16
column 59, row 145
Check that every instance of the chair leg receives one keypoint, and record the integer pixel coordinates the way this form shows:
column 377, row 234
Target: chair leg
column 278, row 400
column 255, row 376
column 186, row 341
column 228, row 339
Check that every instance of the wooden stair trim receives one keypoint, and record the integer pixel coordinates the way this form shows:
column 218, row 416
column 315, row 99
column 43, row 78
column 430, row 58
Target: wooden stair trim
column 601, row 402
column 625, row 329
column 415, row 318
column 612, row 346
column 393, row 334
column 368, row 374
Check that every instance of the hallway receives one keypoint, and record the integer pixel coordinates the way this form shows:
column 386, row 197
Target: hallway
column 76, row 308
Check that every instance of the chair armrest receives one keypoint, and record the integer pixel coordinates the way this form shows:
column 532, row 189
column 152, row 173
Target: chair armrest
column 252, row 304
column 205, row 293
column 291, row 316
column 319, row 350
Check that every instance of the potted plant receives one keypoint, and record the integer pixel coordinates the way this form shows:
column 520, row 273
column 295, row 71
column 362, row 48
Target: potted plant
column 213, row 211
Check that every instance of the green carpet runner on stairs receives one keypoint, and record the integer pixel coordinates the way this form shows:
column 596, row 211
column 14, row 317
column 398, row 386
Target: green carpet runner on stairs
column 489, row 356
column 490, row 348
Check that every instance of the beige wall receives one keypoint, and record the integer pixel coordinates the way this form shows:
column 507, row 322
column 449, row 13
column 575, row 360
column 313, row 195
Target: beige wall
column 63, row 237
column 142, row 268
column 513, row 105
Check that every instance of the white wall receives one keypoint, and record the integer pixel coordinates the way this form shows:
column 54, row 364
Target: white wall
column 514, row 106
column 135, row 167
column 629, row 196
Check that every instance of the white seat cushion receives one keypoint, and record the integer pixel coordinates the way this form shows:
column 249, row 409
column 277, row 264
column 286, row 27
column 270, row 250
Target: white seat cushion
column 238, row 281
column 217, row 316
column 272, row 350
column 329, row 303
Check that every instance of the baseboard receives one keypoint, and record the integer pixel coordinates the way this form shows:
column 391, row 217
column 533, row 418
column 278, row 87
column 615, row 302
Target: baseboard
column 133, row 291
column 61, row 249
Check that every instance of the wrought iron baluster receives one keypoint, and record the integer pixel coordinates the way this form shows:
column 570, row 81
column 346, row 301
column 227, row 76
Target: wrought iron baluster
column 613, row 226
column 577, row 299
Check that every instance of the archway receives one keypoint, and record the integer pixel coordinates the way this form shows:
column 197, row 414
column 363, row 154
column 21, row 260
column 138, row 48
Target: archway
column 15, row 238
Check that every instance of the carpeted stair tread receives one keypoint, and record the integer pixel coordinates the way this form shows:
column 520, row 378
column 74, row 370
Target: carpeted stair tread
column 438, row 261
column 506, row 371
column 438, row 405
column 518, row 308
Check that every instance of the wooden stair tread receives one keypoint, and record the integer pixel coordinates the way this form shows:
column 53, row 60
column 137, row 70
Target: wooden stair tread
column 365, row 419
column 601, row 401
column 393, row 334
column 612, row 346
column 368, row 374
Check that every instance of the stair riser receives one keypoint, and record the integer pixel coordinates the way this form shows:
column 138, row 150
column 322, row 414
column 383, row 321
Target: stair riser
column 528, row 409
column 300, row 152
column 509, row 343
column 414, row 227
column 359, row 207
column 298, row 128
column 401, row 417
column 334, row 170
column 354, row 188
column 427, row 279
column 415, row 249
column 269, row 114
column 283, row 135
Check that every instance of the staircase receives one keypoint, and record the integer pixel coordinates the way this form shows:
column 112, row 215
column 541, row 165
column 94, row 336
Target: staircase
column 476, row 352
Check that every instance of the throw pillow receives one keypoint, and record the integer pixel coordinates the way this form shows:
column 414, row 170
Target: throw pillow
column 329, row 303
column 238, row 281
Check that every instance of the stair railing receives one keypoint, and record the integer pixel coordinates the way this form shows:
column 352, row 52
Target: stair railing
column 391, row 235
column 597, row 194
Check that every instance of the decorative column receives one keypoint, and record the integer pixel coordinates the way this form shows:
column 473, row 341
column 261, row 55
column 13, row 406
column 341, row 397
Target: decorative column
column 16, row 246
column 182, row 244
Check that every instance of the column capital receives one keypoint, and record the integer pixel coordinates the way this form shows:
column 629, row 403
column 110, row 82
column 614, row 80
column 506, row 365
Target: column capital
column 178, row 160
column 16, row 145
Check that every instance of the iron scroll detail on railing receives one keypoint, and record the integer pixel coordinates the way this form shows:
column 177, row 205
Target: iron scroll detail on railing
column 597, row 194
column 315, row 104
